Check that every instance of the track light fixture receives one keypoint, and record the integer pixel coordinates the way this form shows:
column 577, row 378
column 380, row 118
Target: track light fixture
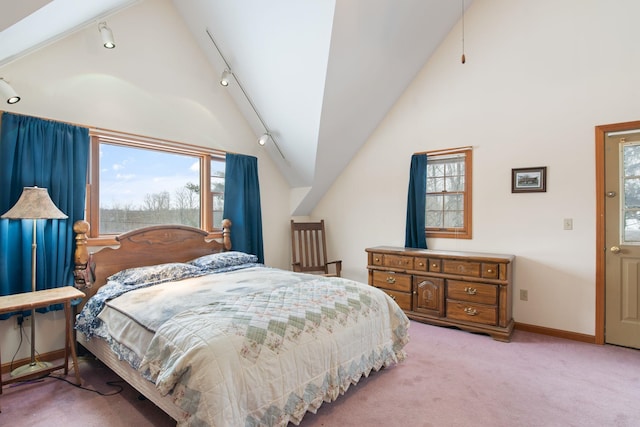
column 224, row 81
column 264, row 138
column 226, row 76
column 107, row 36
column 7, row 92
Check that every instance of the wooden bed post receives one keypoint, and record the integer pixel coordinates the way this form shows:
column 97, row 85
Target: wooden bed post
column 82, row 270
column 226, row 237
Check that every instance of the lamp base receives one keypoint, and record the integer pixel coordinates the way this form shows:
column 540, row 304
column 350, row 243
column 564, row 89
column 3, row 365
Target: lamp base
column 30, row 368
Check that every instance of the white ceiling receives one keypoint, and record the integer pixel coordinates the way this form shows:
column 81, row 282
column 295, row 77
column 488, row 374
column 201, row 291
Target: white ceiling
column 320, row 74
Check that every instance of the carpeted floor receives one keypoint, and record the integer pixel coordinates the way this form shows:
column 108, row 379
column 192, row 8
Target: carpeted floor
column 451, row 378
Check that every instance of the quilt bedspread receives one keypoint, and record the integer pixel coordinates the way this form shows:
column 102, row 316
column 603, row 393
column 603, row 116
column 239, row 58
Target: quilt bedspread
column 276, row 345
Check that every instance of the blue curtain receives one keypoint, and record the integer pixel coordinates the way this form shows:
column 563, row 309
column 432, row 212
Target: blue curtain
column 416, row 203
column 51, row 155
column 242, row 204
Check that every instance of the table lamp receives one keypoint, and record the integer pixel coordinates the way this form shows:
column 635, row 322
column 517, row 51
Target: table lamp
column 34, row 203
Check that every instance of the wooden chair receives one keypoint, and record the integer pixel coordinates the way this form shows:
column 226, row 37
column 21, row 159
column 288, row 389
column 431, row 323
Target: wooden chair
column 309, row 249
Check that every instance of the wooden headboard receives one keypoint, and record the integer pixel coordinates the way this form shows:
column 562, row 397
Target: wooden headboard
column 145, row 246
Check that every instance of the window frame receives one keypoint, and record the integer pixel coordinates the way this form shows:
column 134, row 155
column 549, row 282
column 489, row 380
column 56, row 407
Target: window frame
column 466, row 231
column 92, row 204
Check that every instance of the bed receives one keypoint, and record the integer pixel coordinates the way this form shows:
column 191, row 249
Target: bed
column 214, row 338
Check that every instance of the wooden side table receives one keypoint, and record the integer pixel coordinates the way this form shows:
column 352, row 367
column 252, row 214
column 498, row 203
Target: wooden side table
column 33, row 300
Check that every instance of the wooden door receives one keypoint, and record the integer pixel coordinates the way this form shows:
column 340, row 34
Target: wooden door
column 622, row 237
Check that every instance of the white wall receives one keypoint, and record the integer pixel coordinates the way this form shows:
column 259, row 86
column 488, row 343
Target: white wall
column 155, row 83
column 539, row 76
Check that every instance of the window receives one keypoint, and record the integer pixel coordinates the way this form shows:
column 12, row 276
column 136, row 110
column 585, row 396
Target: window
column 630, row 191
column 138, row 182
column 448, row 198
column 217, row 191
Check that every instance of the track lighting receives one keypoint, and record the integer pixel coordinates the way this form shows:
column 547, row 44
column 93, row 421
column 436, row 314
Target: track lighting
column 226, row 76
column 264, row 138
column 7, row 92
column 107, row 36
column 224, row 81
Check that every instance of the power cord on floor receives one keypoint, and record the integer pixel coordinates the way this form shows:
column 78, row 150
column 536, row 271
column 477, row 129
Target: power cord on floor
column 109, row 383
column 115, row 384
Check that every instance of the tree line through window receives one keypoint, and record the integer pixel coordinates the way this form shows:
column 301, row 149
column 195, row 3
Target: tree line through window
column 138, row 182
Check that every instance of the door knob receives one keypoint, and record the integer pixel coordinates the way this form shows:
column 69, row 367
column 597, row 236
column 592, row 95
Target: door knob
column 615, row 249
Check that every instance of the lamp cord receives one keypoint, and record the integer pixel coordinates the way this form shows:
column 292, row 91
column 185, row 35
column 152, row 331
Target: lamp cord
column 117, row 384
column 463, row 58
column 36, row 354
column 17, row 349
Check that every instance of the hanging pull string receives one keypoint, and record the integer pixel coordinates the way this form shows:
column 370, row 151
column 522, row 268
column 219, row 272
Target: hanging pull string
column 463, row 59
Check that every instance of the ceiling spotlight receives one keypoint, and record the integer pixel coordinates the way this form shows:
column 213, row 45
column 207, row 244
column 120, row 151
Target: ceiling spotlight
column 7, row 92
column 264, row 138
column 226, row 76
column 107, row 36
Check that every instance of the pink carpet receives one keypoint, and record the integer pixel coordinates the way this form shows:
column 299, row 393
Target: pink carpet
column 451, row 378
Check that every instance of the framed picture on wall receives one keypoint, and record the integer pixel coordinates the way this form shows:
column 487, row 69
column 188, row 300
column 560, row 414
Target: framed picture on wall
column 529, row 180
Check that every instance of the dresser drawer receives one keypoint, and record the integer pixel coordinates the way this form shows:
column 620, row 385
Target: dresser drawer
column 398, row 261
column 403, row 299
column 420, row 264
column 393, row 281
column 481, row 293
column 462, row 268
column 435, row 265
column 490, row 271
column 376, row 259
column 469, row 312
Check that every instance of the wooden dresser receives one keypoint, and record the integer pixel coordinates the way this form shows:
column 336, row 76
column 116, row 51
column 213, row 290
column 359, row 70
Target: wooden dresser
column 468, row 290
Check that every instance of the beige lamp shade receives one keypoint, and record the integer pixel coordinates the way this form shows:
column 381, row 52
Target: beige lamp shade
column 34, row 203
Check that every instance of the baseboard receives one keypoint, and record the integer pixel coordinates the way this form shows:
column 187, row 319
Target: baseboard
column 46, row 357
column 574, row 336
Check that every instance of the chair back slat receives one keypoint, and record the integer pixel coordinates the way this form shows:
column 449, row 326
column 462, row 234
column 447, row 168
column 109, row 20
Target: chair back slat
column 309, row 249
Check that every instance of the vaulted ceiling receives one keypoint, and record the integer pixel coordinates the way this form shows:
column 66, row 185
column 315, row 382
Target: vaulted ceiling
column 319, row 75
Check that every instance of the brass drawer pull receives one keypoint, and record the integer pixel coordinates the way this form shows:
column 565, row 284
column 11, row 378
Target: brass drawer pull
column 470, row 291
column 420, row 263
column 391, row 280
column 376, row 259
column 489, row 270
column 471, row 311
column 434, row 265
column 392, row 296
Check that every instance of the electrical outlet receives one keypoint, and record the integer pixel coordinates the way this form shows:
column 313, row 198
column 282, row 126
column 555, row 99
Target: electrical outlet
column 24, row 321
column 568, row 223
column 524, row 295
